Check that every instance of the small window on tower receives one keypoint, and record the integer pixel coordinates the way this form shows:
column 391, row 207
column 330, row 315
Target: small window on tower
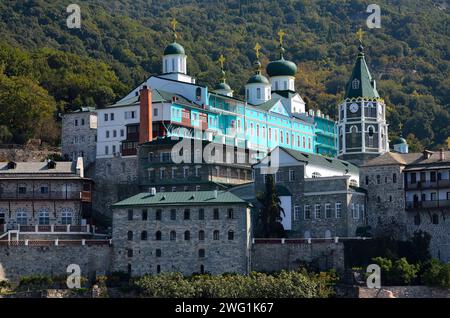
column 355, row 84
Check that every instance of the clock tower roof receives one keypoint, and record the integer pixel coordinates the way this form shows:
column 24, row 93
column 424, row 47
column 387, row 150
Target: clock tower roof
column 361, row 83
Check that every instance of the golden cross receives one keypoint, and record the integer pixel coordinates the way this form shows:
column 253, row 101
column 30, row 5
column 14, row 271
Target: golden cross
column 221, row 60
column 360, row 34
column 281, row 35
column 174, row 24
column 257, row 48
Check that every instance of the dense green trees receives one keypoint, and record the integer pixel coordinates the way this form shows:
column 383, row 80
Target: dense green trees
column 409, row 55
column 271, row 213
column 286, row 284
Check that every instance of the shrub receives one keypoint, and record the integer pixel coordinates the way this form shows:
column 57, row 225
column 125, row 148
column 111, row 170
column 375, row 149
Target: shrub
column 436, row 273
column 399, row 272
column 35, row 282
column 286, row 284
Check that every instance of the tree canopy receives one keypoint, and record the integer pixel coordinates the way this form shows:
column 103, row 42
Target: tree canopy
column 120, row 43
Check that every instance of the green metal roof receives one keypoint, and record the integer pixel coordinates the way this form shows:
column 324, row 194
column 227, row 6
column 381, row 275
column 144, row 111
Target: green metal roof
column 258, row 78
column 268, row 104
column 180, row 198
column 222, row 86
column 281, row 67
column 361, row 83
column 320, row 160
column 174, row 48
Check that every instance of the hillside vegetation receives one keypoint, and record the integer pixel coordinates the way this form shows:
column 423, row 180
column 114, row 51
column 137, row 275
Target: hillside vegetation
column 46, row 68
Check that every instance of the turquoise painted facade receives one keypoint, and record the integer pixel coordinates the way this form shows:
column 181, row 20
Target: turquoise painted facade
column 325, row 132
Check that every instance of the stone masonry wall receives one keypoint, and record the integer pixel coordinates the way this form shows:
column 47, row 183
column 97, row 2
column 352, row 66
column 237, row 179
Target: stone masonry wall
column 18, row 261
column 176, row 253
column 277, row 257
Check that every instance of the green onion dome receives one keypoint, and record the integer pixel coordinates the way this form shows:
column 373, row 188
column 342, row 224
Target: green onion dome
column 174, row 48
column 222, row 86
column 281, row 67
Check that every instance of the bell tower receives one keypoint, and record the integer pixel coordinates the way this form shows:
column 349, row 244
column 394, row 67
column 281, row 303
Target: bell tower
column 362, row 129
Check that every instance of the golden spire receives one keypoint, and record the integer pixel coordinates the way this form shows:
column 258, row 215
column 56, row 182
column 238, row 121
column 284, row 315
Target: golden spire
column 360, row 35
column 281, row 35
column 257, row 48
column 174, row 24
column 221, row 61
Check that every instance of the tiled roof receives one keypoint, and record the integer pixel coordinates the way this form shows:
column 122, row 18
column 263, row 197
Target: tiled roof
column 329, row 163
column 180, row 198
column 409, row 159
column 62, row 167
column 158, row 96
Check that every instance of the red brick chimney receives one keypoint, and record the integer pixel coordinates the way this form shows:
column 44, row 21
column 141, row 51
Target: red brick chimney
column 146, row 115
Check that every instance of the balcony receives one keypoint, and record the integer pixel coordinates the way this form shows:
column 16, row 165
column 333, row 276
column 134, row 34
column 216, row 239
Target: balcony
column 435, row 204
column 423, row 185
column 52, row 195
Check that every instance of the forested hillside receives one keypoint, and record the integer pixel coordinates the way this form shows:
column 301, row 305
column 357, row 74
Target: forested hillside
column 46, row 68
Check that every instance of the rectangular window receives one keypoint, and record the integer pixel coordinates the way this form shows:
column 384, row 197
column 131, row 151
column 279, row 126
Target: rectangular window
column 22, row 190
column 44, row 190
column 433, row 176
column 354, row 212
column 448, row 195
column 106, row 117
column 297, row 213
column 362, row 211
column 158, row 215
column 230, row 214
column 76, row 122
column 144, row 215
column 111, row 116
column 130, row 215
column 328, row 210
column 201, row 214
column 307, row 210
column 155, row 112
column 230, row 235
column 317, row 212
column 106, row 150
column 433, row 196
column 413, row 177
column 291, row 175
column 338, row 210
column 216, row 214
column 173, row 214
column 82, row 122
column 187, row 214
column 122, row 133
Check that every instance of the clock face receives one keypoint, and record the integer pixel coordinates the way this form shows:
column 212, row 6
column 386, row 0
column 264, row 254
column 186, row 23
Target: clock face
column 354, row 108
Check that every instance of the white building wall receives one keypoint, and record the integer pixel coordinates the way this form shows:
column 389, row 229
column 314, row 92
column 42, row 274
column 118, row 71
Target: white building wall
column 117, row 124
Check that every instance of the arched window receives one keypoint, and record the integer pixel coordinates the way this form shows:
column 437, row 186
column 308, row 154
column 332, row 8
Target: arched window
column 201, row 253
column 187, row 236
column 353, row 129
column 371, row 134
column 144, row 236
column 173, row 65
column 66, row 216
column 316, row 174
column 130, row 235
column 216, row 235
column 355, row 84
column 44, row 217
column 258, row 93
column 201, row 235
column 173, row 236
column 394, row 178
column 22, row 217
column 230, row 235
column 198, row 93
column 435, row 219
column 158, row 236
